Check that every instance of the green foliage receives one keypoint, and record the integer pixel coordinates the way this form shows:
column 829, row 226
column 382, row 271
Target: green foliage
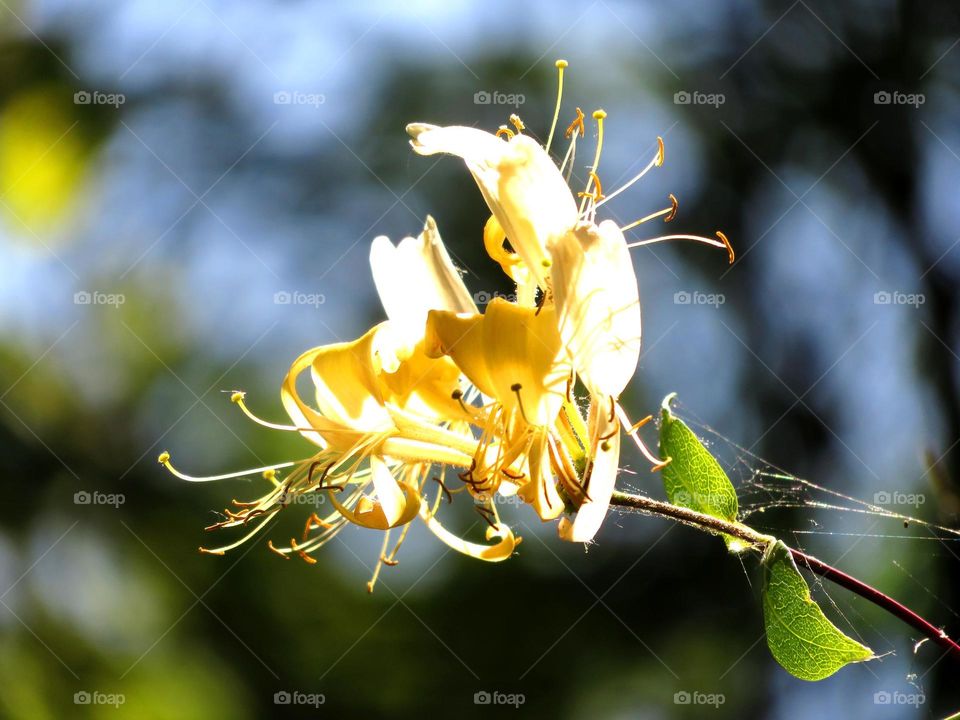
column 799, row 635
column 693, row 479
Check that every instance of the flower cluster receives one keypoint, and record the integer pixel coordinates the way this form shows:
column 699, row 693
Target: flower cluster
column 442, row 397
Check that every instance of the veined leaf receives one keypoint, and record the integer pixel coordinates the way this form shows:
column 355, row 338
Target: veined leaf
column 693, row 479
column 799, row 635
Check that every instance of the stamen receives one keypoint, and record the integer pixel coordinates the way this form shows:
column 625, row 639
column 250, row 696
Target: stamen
column 640, row 424
column 237, row 398
column 560, row 64
column 657, row 161
column 598, row 195
column 222, row 550
column 598, row 115
column 504, row 130
column 516, row 387
column 653, row 460
column 670, row 213
column 164, row 460
column 576, row 126
column 517, row 123
column 486, row 514
column 695, row 238
column 376, row 569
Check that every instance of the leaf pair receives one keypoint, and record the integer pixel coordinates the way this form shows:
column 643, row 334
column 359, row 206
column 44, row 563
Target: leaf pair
column 799, row 635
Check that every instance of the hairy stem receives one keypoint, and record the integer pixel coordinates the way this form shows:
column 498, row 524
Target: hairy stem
column 759, row 541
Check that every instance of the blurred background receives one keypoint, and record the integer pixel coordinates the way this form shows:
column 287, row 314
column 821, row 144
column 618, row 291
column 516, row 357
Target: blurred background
column 188, row 191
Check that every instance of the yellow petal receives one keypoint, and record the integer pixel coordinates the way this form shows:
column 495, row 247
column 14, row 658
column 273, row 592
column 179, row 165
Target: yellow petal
column 414, row 277
column 540, row 491
column 510, row 262
column 389, row 495
column 502, row 550
column 460, row 336
column 371, row 513
column 521, row 184
column 602, row 469
column 598, row 306
column 424, row 386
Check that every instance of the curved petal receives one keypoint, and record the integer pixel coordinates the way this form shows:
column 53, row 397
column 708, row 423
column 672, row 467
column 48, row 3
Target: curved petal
column 510, row 353
column 522, row 186
column 598, row 305
column 424, row 386
column 415, row 277
column 503, row 549
column 604, row 463
column 371, row 513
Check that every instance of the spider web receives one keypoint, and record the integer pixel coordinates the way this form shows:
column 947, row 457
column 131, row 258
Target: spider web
column 816, row 519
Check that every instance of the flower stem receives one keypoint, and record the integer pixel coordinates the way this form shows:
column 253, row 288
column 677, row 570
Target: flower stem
column 759, row 541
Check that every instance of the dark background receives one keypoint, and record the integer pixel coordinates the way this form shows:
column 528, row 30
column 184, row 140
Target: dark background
column 200, row 197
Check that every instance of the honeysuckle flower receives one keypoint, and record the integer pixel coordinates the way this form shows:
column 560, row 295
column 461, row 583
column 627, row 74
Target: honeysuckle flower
column 384, row 415
column 582, row 271
column 440, row 388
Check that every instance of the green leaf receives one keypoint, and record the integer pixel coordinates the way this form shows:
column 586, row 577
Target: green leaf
column 799, row 635
column 693, row 479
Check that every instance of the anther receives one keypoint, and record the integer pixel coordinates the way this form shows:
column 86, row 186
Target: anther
column 661, row 465
column 446, row 491
column 639, row 424
column 516, row 387
column 675, row 205
column 728, row 245
column 458, row 396
column 504, row 130
column 282, row 554
column 517, row 123
column 205, row 551
column 660, row 154
column 576, row 125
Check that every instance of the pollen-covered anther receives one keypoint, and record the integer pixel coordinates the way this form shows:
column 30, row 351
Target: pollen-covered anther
column 276, row 550
column 237, row 395
column 728, row 245
column 661, row 465
column 517, row 123
column 639, row 424
column 576, row 126
column 504, row 131
column 595, row 195
column 660, row 153
column 164, row 458
column 674, row 206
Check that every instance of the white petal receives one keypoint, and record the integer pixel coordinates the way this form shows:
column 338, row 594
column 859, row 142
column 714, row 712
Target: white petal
column 598, row 305
column 603, row 475
column 519, row 181
column 413, row 278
